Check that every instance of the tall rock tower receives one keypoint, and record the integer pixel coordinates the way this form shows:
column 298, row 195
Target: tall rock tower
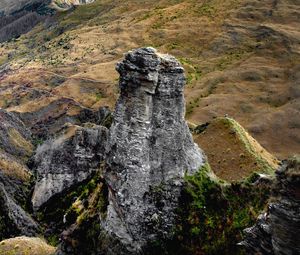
column 150, row 149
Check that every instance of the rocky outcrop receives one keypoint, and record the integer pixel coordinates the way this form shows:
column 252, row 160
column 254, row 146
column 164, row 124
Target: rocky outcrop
column 150, row 149
column 67, row 4
column 15, row 177
column 66, row 161
column 278, row 230
column 14, row 220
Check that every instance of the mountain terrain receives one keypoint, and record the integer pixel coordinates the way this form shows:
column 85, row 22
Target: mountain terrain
column 241, row 57
column 149, row 127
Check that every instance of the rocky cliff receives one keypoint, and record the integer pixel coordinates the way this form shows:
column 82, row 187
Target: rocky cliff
column 66, row 161
column 67, row 4
column 15, row 177
column 150, row 149
column 277, row 231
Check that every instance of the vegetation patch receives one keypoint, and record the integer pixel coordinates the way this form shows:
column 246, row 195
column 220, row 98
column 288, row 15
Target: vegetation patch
column 212, row 215
column 20, row 142
column 14, row 169
column 74, row 207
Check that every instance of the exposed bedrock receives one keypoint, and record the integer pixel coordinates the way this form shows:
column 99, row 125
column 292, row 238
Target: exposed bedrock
column 67, row 160
column 13, row 219
column 278, row 230
column 149, row 151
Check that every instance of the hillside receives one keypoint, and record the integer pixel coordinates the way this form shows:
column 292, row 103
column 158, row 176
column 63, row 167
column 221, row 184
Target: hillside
column 242, row 59
column 141, row 127
column 232, row 153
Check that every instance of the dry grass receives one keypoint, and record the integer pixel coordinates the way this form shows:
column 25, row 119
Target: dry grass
column 14, row 169
column 239, row 60
column 20, row 142
column 25, row 246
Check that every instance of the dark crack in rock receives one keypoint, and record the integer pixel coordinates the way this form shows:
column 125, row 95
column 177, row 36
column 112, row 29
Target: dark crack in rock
column 150, row 150
column 278, row 230
column 67, row 160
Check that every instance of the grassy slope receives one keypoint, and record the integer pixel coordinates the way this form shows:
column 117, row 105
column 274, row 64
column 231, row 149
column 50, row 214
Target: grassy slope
column 241, row 59
column 235, row 155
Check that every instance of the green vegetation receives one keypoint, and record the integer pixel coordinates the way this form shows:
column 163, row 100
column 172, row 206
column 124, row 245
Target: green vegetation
column 87, row 210
column 191, row 105
column 230, row 58
column 74, row 207
column 206, row 9
column 213, row 214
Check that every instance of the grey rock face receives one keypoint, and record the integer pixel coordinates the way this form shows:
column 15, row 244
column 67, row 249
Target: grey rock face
column 278, row 230
column 66, row 161
column 150, row 149
column 69, row 3
column 15, row 149
column 17, row 221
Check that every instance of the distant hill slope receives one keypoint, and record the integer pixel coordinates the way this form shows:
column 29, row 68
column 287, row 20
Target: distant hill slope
column 242, row 59
column 9, row 6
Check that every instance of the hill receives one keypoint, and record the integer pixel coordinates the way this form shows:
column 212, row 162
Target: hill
column 232, row 153
column 242, row 59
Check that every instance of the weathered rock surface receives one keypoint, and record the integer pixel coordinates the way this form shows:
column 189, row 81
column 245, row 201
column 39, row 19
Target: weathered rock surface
column 15, row 149
column 278, row 230
column 15, row 177
column 150, row 149
column 67, row 4
column 14, row 220
column 68, row 160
